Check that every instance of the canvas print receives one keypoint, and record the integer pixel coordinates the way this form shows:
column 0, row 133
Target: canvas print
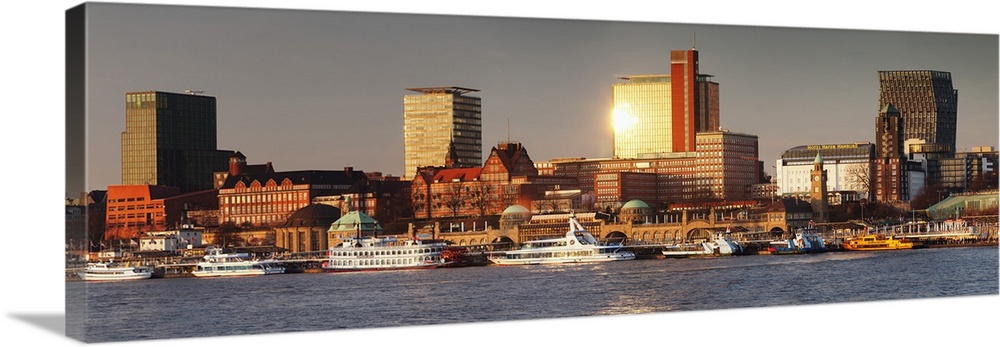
column 243, row 171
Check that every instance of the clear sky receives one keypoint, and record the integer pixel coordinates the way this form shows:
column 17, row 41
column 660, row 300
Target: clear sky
column 324, row 89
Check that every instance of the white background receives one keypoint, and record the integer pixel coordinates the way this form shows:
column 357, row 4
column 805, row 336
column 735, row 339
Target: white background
column 32, row 134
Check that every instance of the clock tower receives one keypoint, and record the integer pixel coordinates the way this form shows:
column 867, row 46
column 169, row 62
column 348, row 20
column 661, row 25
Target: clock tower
column 817, row 191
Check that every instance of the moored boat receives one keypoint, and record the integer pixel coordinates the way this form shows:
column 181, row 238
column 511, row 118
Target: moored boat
column 218, row 264
column 384, row 253
column 455, row 256
column 878, row 243
column 576, row 246
column 111, row 271
column 721, row 245
column 806, row 241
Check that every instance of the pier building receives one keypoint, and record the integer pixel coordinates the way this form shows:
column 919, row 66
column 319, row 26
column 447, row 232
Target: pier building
column 959, row 205
column 306, row 229
column 636, row 223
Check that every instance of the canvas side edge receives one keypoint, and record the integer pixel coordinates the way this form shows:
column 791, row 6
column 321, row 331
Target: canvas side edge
column 75, row 146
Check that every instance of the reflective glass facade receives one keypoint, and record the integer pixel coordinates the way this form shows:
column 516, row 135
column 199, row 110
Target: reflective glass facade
column 641, row 116
column 441, row 125
column 662, row 113
column 170, row 140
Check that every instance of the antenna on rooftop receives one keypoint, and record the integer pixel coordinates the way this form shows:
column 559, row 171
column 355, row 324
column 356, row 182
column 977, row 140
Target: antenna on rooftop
column 508, row 129
column 194, row 92
column 694, row 40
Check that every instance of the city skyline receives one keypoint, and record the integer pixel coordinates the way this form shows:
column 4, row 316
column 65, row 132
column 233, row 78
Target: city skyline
column 35, row 309
column 322, row 89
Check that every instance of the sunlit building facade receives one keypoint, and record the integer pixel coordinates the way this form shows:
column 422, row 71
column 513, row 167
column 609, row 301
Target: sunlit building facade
column 133, row 210
column 613, row 189
column 728, row 163
column 724, row 166
column 442, row 126
column 170, row 140
column 508, row 177
column 268, row 199
column 641, row 109
column 661, row 113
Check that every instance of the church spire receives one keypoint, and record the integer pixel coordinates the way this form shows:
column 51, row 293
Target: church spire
column 451, row 159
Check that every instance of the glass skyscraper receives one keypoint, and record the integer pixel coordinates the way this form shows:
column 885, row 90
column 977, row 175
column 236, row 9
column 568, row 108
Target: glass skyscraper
column 656, row 114
column 441, row 127
column 927, row 104
column 170, row 140
column 642, row 122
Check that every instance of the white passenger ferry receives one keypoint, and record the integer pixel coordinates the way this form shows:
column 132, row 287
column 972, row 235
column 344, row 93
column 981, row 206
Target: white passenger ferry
column 385, row 253
column 721, row 245
column 218, row 264
column 114, row 272
column 577, row 246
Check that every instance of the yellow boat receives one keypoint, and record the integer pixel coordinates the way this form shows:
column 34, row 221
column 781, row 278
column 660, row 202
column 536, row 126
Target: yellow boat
column 878, row 243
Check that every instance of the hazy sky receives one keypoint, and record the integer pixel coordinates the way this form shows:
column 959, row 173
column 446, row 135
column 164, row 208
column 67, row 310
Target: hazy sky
column 34, row 108
column 324, row 89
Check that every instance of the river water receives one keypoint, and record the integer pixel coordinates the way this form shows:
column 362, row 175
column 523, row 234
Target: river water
column 199, row 307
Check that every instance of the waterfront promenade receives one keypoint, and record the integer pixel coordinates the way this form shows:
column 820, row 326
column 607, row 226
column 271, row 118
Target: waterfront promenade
column 932, row 235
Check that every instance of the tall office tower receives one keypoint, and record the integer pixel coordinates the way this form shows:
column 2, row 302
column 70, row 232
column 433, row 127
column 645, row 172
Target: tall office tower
column 170, row 140
column 926, row 102
column 441, row 127
column 708, row 105
column 656, row 114
column 684, row 98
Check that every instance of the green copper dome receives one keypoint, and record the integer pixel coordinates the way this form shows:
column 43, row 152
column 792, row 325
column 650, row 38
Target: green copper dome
column 355, row 220
column 516, row 209
column 635, row 204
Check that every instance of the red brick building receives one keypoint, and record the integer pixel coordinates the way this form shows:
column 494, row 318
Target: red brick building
column 385, row 198
column 615, row 188
column 724, row 167
column 507, row 177
column 268, row 199
column 135, row 209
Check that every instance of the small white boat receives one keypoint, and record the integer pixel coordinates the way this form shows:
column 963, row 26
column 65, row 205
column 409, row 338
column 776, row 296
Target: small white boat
column 385, row 253
column 721, row 245
column 576, row 246
column 114, row 272
column 218, row 264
